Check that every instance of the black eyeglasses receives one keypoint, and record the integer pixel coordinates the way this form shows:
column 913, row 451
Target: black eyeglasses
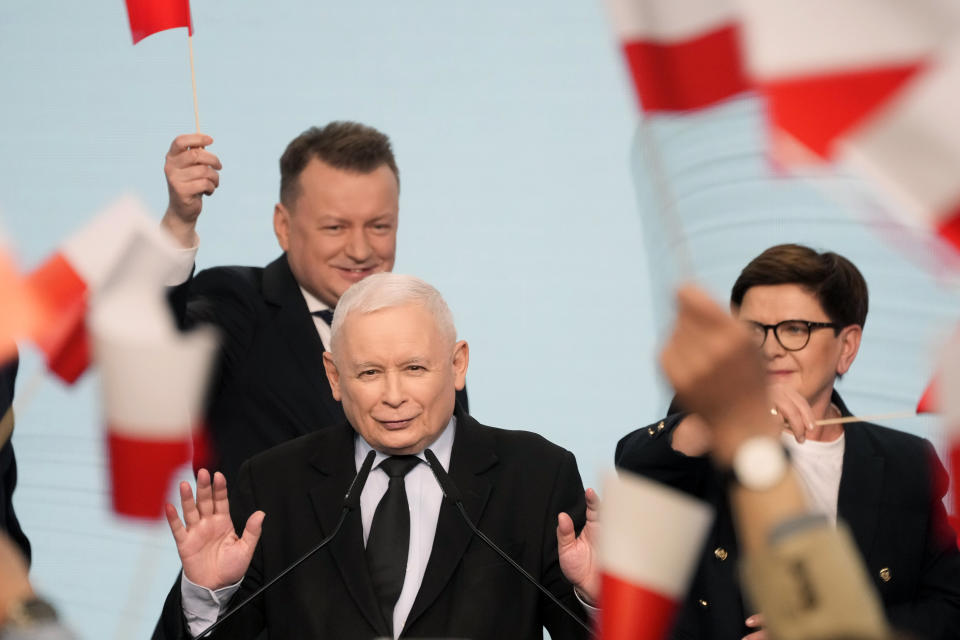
column 793, row 335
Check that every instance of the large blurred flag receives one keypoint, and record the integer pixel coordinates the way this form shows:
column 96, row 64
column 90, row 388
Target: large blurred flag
column 153, row 380
column 150, row 16
column 682, row 54
column 911, row 149
column 650, row 544
column 825, row 65
column 82, row 266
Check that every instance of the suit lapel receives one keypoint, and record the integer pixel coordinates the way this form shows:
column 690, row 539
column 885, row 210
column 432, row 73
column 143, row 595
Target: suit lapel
column 473, row 454
column 335, row 463
column 861, row 481
column 296, row 328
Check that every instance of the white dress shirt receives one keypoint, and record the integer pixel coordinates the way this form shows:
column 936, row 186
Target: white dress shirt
column 202, row 606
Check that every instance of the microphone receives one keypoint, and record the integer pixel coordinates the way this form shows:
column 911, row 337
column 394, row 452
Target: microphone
column 351, row 501
column 453, row 494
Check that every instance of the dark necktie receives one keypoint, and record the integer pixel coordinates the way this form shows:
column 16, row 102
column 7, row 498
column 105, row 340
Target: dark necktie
column 389, row 539
column 325, row 314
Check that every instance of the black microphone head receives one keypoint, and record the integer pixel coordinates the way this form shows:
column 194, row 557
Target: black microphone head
column 446, row 484
column 352, row 498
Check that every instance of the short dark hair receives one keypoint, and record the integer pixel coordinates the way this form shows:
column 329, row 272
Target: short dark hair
column 836, row 283
column 349, row 146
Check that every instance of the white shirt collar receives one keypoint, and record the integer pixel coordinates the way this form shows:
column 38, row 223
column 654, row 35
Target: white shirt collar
column 313, row 302
column 442, row 447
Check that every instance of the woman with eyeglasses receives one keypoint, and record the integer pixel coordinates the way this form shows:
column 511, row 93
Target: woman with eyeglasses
column 806, row 311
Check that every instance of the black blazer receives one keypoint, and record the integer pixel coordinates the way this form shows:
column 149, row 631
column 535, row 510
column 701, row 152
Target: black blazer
column 8, row 463
column 891, row 490
column 269, row 385
column 514, row 483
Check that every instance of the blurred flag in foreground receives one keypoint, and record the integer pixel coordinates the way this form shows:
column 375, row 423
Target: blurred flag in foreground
column 81, row 267
column 650, row 544
column 150, row 16
column 911, row 149
column 682, row 54
column 824, row 66
column 153, row 380
column 948, row 381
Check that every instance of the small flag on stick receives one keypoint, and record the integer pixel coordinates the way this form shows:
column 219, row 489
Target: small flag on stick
column 150, row 16
column 650, row 544
column 682, row 54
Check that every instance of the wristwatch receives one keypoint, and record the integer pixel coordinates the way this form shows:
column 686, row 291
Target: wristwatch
column 759, row 463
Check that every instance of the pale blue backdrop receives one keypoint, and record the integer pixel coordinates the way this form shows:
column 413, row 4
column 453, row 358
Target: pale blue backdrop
column 513, row 125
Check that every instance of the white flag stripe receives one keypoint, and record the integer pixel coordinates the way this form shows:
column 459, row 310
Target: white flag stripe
column 154, row 389
column 651, row 535
column 668, row 20
column 804, row 37
column 912, row 147
column 94, row 250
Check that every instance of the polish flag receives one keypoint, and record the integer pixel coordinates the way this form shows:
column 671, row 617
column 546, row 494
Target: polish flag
column 930, row 400
column 153, row 381
column 150, row 16
column 650, row 544
column 82, row 266
column 825, row 65
column 911, row 149
column 682, row 54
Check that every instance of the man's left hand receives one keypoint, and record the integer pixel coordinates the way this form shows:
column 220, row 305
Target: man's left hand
column 577, row 557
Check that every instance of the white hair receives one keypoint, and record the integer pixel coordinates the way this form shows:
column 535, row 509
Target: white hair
column 388, row 290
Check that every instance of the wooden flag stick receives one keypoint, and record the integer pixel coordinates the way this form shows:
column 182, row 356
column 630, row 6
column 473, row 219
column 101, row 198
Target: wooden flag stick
column 873, row 418
column 193, row 81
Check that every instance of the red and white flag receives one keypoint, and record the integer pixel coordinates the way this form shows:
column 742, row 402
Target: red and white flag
column 911, row 149
column 150, row 16
column 650, row 544
column 682, row 54
column 825, row 65
column 82, row 266
column 153, row 381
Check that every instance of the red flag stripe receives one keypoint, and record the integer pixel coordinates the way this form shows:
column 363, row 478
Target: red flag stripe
column 631, row 612
column 150, row 16
column 949, row 227
column 63, row 336
column 686, row 75
column 815, row 110
column 141, row 471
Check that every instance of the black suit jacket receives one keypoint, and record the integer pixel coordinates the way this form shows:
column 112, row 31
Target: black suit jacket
column 269, row 385
column 891, row 490
column 8, row 464
column 513, row 482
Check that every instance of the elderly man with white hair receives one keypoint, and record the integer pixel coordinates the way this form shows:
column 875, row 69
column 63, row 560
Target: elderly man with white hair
column 404, row 564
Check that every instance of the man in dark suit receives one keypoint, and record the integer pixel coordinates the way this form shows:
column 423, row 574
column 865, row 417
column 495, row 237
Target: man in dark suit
column 336, row 223
column 806, row 312
column 395, row 364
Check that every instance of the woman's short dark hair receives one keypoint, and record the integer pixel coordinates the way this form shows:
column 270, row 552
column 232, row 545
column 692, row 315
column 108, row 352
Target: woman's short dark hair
column 836, row 283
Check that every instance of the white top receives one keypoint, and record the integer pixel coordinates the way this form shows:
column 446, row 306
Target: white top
column 201, row 606
column 819, row 466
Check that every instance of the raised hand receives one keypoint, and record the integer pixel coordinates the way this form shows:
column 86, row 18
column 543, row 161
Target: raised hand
column 210, row 551
column 192, row 172
column 576, row 553
column 793, row 409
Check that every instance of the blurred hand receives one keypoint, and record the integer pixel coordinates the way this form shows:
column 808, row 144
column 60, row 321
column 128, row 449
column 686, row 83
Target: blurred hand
column 212, row 554
column 756, row 622
column 191, row 172
column 717, row 372
column 14, row 583
column 576, row 553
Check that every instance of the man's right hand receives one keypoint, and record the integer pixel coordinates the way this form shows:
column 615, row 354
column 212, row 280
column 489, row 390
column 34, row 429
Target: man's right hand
column 192, row 172
column 212, row 554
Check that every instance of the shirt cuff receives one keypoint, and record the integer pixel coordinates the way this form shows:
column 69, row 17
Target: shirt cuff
column 202, row 606
column 590, row 608
column 183, row 266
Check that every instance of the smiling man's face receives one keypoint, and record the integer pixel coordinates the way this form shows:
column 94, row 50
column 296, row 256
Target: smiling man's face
column 396, row 374
column 341, row 228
